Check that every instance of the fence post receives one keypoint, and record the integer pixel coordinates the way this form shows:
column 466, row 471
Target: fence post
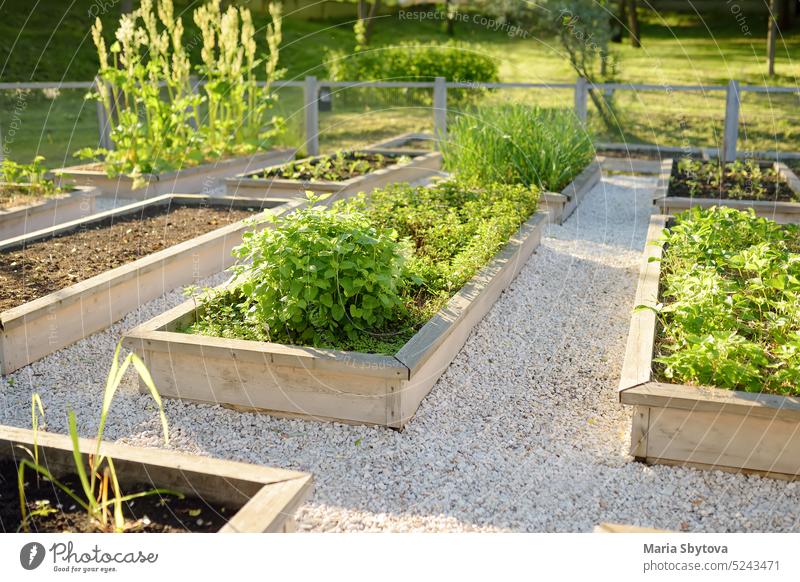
column 103, row 122
column 440, row 109
column 731, row 134
column 310, row 97
column 581, row 94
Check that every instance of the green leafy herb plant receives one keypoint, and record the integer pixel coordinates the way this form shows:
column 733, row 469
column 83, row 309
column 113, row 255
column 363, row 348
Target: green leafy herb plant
column 730, row 302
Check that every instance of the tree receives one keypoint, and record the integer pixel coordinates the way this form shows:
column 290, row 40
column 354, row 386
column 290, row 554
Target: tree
column 772, row 34
column 451, row 13
column 584, row 31
column 633, row 24
column 366, row 16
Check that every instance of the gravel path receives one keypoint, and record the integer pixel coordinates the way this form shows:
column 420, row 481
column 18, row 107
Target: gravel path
column 523, row 432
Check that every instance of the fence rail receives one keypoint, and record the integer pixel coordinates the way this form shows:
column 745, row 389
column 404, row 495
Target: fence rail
column 312, row 87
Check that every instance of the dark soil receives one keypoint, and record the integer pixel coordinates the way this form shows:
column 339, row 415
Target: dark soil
column 334, row 168
column 13, row 195
column 47, row 265
column 775, row 187
column 150, row 514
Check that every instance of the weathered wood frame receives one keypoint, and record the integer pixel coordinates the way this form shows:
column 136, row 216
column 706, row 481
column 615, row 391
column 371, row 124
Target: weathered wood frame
column 421, row 166
column 398, row 143
column 38, row 328
column 350, row 387
column 630, row 165
column 264, row 499
column 783, row 212
column 702, row 427
column 53, row 210
column 194, row 179
column 561, row 205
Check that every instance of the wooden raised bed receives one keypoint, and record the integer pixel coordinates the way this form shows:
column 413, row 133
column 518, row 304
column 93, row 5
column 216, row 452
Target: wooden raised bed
column 40, row 327
column 405, row 142
column 782, row 212
column 561, row 205
column 193, row 179
column 265, row 499
column 321, row 384
column 702, row 427
column 629, row 165
column 51, row 211
column 421, row 165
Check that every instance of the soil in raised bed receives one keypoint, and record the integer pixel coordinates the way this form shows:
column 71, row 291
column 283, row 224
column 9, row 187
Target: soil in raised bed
column 47, row 265
column 334, row 168
column 12, row 196
column 150, row 514
column 775, row 187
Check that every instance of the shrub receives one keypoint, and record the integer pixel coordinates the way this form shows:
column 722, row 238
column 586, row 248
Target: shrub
column 518, row 144
column 731, row 302
column 413, row 61
column 320, row 277
column 368, row 275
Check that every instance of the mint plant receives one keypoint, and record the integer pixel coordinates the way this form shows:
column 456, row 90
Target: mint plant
column 366, row 276
column 319, row 277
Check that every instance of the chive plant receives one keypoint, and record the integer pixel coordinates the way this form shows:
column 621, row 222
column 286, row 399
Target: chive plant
column 518, row 144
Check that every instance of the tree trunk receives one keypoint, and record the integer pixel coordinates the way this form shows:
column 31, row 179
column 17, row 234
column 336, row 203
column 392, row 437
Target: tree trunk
column 371, row 19
column 633, row 24
column 450, row 20
column 618, row 22
column 772, row 34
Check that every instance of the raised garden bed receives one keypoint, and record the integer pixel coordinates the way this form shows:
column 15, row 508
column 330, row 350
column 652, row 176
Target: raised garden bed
column 561, row 205
column 422, row 142
column 64, row 283
column 389, row 166
column 778, row 200
column 221, row 495
column 195, row 179
column 324, row 384
column 699, row 426
column 628, row 163
column 20, row 216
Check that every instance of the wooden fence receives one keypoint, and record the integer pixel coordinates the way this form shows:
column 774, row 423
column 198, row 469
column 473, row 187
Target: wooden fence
column 312, row 87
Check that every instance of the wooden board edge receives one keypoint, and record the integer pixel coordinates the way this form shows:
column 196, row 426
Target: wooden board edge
column 269, row 509
column 637, row 364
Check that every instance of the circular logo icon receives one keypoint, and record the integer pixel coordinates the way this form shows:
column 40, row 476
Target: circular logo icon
column 31, row 555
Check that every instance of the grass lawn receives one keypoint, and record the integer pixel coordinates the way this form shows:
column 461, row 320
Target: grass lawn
column 49, row 40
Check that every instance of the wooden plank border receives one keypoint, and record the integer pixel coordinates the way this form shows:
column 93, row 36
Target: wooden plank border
column 193, row 179
column 20, row 220
column 561, row 205
column 782, row 212
column 320, row 384
column 265, row 498
column 40, row 327
column 421, row 165
column 631, row 165
column 699, row 426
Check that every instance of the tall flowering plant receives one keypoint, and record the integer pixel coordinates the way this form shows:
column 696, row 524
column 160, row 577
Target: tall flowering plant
column 160, row 121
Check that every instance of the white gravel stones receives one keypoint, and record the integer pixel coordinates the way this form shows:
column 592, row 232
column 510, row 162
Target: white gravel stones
column 523, row 432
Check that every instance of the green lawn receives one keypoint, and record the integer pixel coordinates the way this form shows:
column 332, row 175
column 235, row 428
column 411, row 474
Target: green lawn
column 54, row 44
